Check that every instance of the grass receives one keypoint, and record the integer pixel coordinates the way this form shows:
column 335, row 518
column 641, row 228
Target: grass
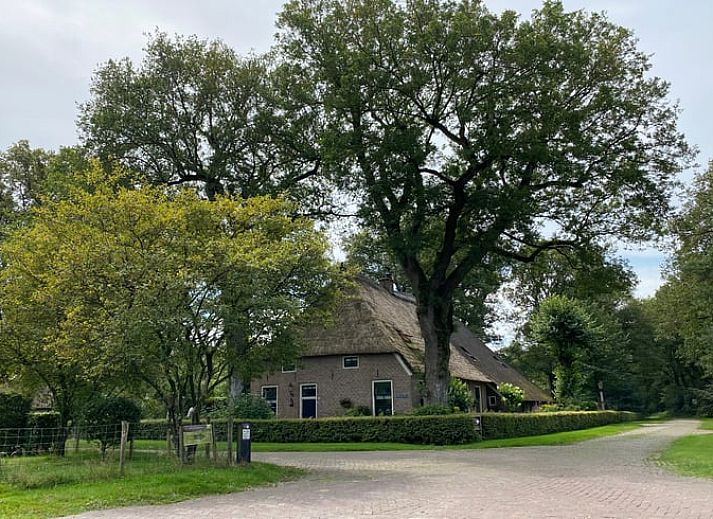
column 561, row 438
column 49, row 487
column 691, row 455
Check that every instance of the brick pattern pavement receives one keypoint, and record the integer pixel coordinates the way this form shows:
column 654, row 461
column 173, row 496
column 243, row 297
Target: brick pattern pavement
column 606, row 478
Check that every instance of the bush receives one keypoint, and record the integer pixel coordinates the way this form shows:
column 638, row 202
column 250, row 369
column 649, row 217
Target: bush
column 44, row 434
column 251, row 407
column 505, row 425
column 360, row 410
column 431, row 410
column 14, row 409
column 103, row 419
column 459, row 396
column 512, row 396
column 452, row 429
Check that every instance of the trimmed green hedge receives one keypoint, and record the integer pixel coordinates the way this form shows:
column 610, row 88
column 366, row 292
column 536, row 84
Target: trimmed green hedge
column 452, row 429
column 428, row 430
column 511, row 425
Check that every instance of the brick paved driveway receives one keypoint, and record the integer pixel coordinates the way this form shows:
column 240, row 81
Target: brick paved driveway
column 608, row 477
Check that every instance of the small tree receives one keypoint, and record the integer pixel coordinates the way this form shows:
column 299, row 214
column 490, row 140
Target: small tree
column 566, row 330
column 459, row 396
column 103, row 419
column 512, row 396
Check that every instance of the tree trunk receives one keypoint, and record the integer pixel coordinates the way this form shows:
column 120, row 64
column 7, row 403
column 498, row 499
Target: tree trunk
column 435, row 318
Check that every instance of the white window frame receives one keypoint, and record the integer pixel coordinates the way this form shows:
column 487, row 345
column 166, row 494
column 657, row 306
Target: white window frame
column 492, row 401
column 373, row 395
column 345, row 357
column 316, row 401
column 277, row 396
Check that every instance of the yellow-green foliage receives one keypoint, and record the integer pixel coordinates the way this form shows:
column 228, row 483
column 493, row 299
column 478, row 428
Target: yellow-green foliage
column 110, row 280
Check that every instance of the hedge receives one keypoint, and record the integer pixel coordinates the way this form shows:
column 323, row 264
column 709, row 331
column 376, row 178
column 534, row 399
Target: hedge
column 453, row 429
column 14, row 409
column 511, row 425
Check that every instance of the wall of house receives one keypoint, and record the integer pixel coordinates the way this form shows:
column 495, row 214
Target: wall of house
column 336, row 383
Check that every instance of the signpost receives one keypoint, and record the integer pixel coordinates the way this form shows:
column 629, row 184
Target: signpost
column 244, row 443
column 194, row 435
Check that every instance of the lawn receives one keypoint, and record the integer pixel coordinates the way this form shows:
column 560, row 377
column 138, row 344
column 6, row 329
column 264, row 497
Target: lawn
column 691, row 455
column 49, row 487
column 561, row 438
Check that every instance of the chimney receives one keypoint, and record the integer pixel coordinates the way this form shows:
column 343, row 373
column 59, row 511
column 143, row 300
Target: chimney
column 387, row 283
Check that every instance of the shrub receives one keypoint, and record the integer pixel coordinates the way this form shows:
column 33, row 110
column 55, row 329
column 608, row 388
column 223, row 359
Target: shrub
column 14, row 409
column 431, row 410
column 451, row 429
column 44, row 433
column 504, row 425
column 103, row 419
column 512, row 396
column 251, row 407
column 459, row 396
column 360, row 410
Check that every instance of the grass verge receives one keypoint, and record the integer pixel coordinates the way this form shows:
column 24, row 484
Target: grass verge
column 51, row 487
column 561, row 438
column 691, row 455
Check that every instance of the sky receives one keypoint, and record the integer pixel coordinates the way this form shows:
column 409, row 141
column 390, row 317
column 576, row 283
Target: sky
column 50, row 48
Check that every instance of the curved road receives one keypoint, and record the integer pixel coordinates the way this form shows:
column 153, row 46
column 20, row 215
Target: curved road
column 608, row 477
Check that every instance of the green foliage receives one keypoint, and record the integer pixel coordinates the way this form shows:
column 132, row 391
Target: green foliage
column 14, row 409
column 103, row 420
column 431, row 410
column 190, row 94
column 437, row 430
column 461, row 141
column 503, row 425
column 135, row 287
column 459, row 396
column 566, row 331
column 360, row 410
column 250, row 407
column 44, row 420
column 512, row 396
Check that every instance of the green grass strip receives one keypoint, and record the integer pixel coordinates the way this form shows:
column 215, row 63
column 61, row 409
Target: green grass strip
column 137, row 487
column 691, row 455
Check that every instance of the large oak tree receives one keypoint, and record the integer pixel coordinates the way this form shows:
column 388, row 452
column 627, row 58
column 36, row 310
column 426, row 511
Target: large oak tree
column 471, row 138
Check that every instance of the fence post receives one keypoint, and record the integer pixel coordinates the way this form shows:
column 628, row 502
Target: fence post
column 229, row 433
column 122, row 448
column 76, row 438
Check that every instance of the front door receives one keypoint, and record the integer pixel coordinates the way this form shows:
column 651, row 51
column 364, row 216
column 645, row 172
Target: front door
column 308, row 401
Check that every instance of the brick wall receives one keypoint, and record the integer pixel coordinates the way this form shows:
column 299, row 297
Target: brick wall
column 335, row 383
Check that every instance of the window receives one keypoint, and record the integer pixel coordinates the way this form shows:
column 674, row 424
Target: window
column 269, row 394
column 289, row 368
column 492, row 401
column 350, row 362
column 382, row 391
column 308, row 401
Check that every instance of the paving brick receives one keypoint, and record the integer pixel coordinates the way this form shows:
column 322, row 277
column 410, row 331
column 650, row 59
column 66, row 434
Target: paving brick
column 611, row 477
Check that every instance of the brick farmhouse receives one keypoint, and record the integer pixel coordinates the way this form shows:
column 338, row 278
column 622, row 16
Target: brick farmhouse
column 372, row 355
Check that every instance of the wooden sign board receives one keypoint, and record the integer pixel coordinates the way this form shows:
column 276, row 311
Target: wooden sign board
column 197, row 435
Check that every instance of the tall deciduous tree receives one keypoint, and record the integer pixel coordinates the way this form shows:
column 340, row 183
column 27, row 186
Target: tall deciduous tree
column 195, row 113
column 471, row 137
column 121, row 282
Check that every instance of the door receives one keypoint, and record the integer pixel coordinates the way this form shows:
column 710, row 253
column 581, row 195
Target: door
column 382, row 398
column 308, row 401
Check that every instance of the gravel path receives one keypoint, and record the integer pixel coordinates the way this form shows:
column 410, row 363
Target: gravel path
column 608, row 477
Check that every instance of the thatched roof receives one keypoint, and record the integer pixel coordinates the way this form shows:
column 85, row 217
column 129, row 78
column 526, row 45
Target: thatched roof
column 374, row 320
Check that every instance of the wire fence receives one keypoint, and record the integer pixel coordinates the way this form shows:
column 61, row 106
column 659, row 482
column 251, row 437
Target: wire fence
column 34, row 457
